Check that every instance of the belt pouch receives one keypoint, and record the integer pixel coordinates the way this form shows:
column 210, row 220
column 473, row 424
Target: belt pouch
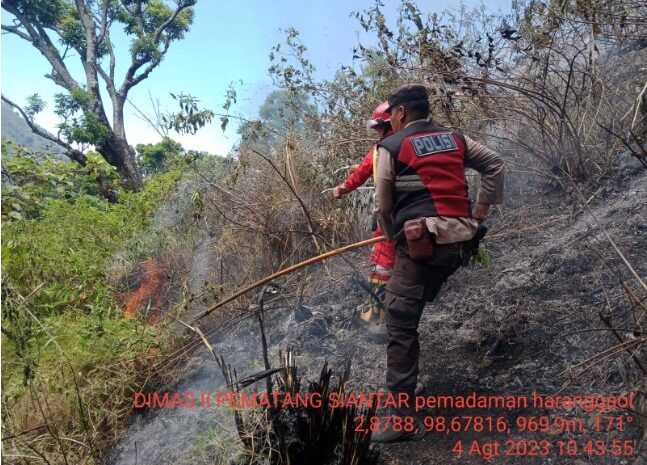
column 418, row 238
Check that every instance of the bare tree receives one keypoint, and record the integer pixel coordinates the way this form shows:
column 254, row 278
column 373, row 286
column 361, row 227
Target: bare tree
column 58, row 28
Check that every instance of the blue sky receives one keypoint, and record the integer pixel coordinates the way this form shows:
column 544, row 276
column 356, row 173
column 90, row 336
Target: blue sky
column 229, row 42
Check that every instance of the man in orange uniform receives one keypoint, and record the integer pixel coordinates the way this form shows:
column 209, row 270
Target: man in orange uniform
column 383, row 253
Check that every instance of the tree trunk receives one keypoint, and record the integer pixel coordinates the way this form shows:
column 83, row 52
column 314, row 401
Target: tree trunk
column 115, row 148
column 119, row 154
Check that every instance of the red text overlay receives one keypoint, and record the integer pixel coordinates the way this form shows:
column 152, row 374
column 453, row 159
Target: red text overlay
column 379, row 400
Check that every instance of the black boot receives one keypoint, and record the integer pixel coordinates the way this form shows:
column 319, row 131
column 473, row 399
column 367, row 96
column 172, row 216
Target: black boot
column 387, row 433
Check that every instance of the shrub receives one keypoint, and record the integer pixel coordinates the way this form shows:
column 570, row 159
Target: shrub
column 70, row 358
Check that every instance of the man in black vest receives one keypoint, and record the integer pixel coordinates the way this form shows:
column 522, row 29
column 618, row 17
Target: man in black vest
column 420, row 175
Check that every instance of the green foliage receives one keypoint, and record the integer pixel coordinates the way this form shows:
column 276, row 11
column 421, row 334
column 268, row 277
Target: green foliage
column 46, row 12
column 83, row 26
column 72, row 31
column 93, row 341
column 169, row 156
column 156, row 158
column 72, row 236
column 63, row 331
column 17, row 326
column 34, row 179
column 154, row 14
column 482, row 257
column 157, row 13
column 35, row 104
column 144, row 48
column 291, row 69
column 84, row 129
column 93, row 361
column 65, row 105
column 230, row 98
column 190, row 118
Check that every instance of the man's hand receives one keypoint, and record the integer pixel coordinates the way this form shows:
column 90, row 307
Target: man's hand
column 352, row 168
column 480, row 212
column 338, row 192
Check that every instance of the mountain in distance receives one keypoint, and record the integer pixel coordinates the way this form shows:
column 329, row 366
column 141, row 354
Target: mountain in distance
column 16, row 129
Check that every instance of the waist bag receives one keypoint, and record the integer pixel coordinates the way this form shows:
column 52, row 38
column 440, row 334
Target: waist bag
column 418, row 239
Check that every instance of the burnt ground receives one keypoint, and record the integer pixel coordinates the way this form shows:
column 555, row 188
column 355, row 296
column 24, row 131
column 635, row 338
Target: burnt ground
column 528, row 323
column 540, row 300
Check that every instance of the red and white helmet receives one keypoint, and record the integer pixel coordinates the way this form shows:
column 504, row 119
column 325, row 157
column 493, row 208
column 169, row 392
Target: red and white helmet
column 380, row 115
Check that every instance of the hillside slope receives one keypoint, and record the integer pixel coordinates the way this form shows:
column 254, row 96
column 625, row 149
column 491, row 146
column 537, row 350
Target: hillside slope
column 536, row 310
column 513, row 329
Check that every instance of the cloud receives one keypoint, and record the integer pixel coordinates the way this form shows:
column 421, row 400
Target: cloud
column 48, row 121
column 210, row 138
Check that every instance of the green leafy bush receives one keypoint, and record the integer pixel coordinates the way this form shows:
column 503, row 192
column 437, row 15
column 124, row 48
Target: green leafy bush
column 64, row 336
column 32, row 178
column 155, row 158
column 71, row 238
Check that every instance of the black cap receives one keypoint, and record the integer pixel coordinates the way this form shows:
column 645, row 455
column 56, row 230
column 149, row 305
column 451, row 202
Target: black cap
column 407, row 93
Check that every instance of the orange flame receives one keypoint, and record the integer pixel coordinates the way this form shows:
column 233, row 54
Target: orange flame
column 150, row 291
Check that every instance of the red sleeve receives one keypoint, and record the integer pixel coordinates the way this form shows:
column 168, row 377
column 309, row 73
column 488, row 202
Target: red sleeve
column 361, row 174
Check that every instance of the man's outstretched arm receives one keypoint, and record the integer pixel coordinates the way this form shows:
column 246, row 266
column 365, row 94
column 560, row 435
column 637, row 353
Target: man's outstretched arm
column 359, row 176
column 491, row 167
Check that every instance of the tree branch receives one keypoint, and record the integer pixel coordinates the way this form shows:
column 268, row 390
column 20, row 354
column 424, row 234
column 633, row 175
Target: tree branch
column 156, row 123
column 16, row 30
column 130, row 80
column 104, row 22
column 71, row 152
column 109, row 83
column 170, row 20
column 152, row 65
column 90, row 58
column 111, row 52
column 139, row 16
column 306, row 212
column 40, row 40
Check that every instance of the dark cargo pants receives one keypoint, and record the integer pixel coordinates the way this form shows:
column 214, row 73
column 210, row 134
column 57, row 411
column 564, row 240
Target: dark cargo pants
column 411, row 286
